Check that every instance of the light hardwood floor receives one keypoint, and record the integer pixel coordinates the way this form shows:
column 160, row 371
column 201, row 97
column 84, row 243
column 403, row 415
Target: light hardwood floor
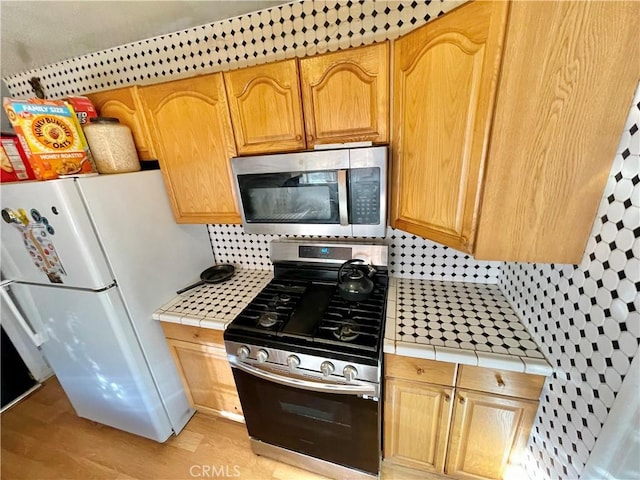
column 42, row 438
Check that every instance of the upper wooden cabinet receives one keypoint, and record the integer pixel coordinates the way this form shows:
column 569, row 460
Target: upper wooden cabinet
column 124, row 104
column 265, row 108
column 191, row 130
column 346, row 95
column 512, row 169
column 445, row 75
column 568, row 77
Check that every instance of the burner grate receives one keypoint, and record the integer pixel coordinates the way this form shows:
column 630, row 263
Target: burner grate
column 269, row 311
column 353, row 324
column 309, row 312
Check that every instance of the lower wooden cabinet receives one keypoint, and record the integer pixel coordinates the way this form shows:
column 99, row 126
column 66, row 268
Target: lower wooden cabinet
column 487, row 433
column 201, row 361
column 416, row 425
column 461, row 428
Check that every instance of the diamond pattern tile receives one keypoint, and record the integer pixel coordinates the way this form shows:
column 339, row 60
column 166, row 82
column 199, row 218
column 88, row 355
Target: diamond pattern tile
column 462, row 316
column 409, row 256
column 215, row 305
column 586, row 318
column 296, row 29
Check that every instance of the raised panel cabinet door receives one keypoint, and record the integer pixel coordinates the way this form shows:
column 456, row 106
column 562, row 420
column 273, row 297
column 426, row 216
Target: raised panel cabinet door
column 569, row 73
column 487, row 433
column 346, row 95
column 445, row 74
column 265, row 107
column 125, row 105
column 190, row 126
column 206, row 376
column 416, row 424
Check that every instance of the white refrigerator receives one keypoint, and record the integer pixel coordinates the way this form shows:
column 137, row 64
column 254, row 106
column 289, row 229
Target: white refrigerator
column 85, row 262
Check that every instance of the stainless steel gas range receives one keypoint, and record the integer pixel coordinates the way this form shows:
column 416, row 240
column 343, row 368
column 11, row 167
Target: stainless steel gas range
column 307, row 362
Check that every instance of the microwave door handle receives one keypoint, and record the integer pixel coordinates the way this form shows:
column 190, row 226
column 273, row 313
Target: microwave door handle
column 343, row 207
column 354, row 389
column 36, row 338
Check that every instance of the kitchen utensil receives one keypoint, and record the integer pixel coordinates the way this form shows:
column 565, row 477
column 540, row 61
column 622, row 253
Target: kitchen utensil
column 79, row 168
column 354, row 281
column 215, row 274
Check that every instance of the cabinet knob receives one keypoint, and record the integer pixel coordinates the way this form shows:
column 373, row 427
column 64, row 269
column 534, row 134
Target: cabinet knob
column 461, row 400
column 420, row 371
column 499, row 380
column 310, row 138
column 298, row 137
column 446, row 397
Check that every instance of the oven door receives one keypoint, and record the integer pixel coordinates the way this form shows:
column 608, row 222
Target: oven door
column 341, row 428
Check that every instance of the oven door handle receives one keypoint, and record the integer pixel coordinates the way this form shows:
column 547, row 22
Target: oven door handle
column 343, row 206
column 356, row 389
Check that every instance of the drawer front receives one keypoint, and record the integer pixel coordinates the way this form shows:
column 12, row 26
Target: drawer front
column 419, row 370
column 502, row 382
column 187, row 333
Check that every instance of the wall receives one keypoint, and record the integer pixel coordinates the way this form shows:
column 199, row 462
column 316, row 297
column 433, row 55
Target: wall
column 410, row 256
column 586, row 320
column 298, row 29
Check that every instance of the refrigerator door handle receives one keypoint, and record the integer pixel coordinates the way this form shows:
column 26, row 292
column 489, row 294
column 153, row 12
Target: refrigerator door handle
column 37, row 338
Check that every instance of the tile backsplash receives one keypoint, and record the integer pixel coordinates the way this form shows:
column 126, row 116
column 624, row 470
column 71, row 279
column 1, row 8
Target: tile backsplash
column 296, row 29
column 586, row 319
column 410, row 256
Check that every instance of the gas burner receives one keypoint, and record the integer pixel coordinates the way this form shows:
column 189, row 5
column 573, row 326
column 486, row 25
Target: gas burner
column 284, row 298
column 347, row 332
column 268, row 319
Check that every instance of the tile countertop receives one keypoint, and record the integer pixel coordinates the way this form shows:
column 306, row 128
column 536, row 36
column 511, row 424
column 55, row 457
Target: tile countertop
column 214, row 305
column 456, row 322
column 467, row 323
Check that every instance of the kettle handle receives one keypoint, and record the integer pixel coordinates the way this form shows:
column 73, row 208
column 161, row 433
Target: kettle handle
column 370, row 270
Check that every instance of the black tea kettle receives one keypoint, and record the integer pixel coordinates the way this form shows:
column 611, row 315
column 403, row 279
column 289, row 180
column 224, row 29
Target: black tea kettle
column 354, row 281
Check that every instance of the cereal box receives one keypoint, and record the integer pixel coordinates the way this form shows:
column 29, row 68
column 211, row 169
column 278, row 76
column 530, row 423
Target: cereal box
column 48, row 131
column 14, row 164
column 84, row 109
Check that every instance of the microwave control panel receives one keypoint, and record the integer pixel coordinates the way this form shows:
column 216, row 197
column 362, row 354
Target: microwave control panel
column 364, row 194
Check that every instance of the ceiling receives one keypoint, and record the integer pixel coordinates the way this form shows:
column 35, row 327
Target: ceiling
column 37, row 33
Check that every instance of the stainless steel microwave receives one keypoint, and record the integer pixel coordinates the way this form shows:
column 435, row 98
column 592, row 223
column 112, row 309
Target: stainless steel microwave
column 322, row 192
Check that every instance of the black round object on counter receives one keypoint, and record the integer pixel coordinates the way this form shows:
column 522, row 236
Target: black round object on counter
column 215, row 274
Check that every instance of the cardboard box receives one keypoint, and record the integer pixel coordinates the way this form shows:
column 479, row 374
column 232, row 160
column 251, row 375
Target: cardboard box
column 14, row 165
column 84, row 109
column 49, row 131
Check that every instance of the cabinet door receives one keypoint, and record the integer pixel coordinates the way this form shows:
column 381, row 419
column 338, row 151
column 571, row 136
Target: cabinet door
column 569, row 73
column 265, row 108
column 125, row 105
column 445, row 75
column 346, row 95
column 488, row 432
column 191, row 129
column 207, row 378
column 416, row 424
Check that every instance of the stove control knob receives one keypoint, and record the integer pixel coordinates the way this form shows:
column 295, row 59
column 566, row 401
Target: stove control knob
column 327, row 368
column 243, row 353
column 350, row 373
column 262, row 356
column 293, row 362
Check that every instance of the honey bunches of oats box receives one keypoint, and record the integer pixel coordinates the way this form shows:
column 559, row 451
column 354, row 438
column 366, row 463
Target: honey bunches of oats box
column 51, row 137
